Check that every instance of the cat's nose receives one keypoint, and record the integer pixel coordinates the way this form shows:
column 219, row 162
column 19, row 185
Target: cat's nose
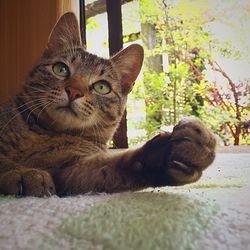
column 73, row 93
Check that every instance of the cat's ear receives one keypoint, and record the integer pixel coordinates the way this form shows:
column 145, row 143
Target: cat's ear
column 65, row 34
column 128, row 62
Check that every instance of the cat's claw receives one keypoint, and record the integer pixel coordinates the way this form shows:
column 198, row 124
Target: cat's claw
column 20, row 189
column 49, row 192
column 180, row 166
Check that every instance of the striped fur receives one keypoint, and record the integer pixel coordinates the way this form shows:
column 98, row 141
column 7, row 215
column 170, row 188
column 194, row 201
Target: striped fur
column 54, row 133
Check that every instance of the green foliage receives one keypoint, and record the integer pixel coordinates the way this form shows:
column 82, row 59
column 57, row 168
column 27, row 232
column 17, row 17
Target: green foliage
column 92, row 23
column 184, row 36
column 226, row 113
column 179, row 71
column 171, row 94
column 150, row 11
column 155, row 96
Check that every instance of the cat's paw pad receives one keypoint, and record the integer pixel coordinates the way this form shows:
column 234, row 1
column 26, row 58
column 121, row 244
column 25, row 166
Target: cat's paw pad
column 27, row 182
column 192, row 151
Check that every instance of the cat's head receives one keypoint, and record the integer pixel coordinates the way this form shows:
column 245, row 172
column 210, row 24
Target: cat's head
column 71, row 89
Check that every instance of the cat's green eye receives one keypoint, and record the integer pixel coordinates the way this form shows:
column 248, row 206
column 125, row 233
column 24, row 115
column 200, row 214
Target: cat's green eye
column 61, row 69
column 102, row 87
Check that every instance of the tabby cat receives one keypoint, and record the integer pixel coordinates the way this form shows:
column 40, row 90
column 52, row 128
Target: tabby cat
column 54, row 133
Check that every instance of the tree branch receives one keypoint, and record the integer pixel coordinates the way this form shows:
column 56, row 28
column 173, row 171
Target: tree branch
column 98, row 7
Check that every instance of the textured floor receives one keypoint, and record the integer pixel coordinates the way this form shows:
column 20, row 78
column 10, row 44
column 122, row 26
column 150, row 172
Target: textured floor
column 213, row 213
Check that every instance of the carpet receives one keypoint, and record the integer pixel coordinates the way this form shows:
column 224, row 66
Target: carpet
column 210, row 214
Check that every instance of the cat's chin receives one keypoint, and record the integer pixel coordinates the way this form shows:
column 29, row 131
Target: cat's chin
column 68, row 110
column 65, row 118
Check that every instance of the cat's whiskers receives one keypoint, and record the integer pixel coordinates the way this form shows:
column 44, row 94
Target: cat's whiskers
column 19, row 107
column 30, row 96
column 37, row 105
column 45, row 86
column 45, row 106
column 52, row 123
column 16, row 115
column 38, row 89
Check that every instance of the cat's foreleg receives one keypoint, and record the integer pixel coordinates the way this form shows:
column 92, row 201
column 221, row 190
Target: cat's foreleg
column 168, row 159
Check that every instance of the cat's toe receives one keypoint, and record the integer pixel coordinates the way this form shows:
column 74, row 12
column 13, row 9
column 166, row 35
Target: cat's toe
column 11, row 183
column 38, row 183
column 27, row 182
column 188, row 158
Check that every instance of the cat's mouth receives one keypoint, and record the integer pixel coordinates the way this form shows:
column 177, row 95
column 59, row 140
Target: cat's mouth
column 67, row 109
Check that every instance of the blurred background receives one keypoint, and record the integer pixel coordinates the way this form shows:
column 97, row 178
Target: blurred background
column 197, row 58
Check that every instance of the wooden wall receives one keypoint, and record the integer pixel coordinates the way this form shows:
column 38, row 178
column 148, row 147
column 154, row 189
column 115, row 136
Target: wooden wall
column 24, row 29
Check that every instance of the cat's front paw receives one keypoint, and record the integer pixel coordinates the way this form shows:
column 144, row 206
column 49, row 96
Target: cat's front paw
column 192, row 151
column 27, row 182
column 177, row 158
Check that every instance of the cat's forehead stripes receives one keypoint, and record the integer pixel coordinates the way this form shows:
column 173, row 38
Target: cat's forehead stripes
column 102, row 72
column 82, row 60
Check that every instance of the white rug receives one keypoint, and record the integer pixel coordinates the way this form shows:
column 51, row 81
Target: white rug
column 213, row 213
